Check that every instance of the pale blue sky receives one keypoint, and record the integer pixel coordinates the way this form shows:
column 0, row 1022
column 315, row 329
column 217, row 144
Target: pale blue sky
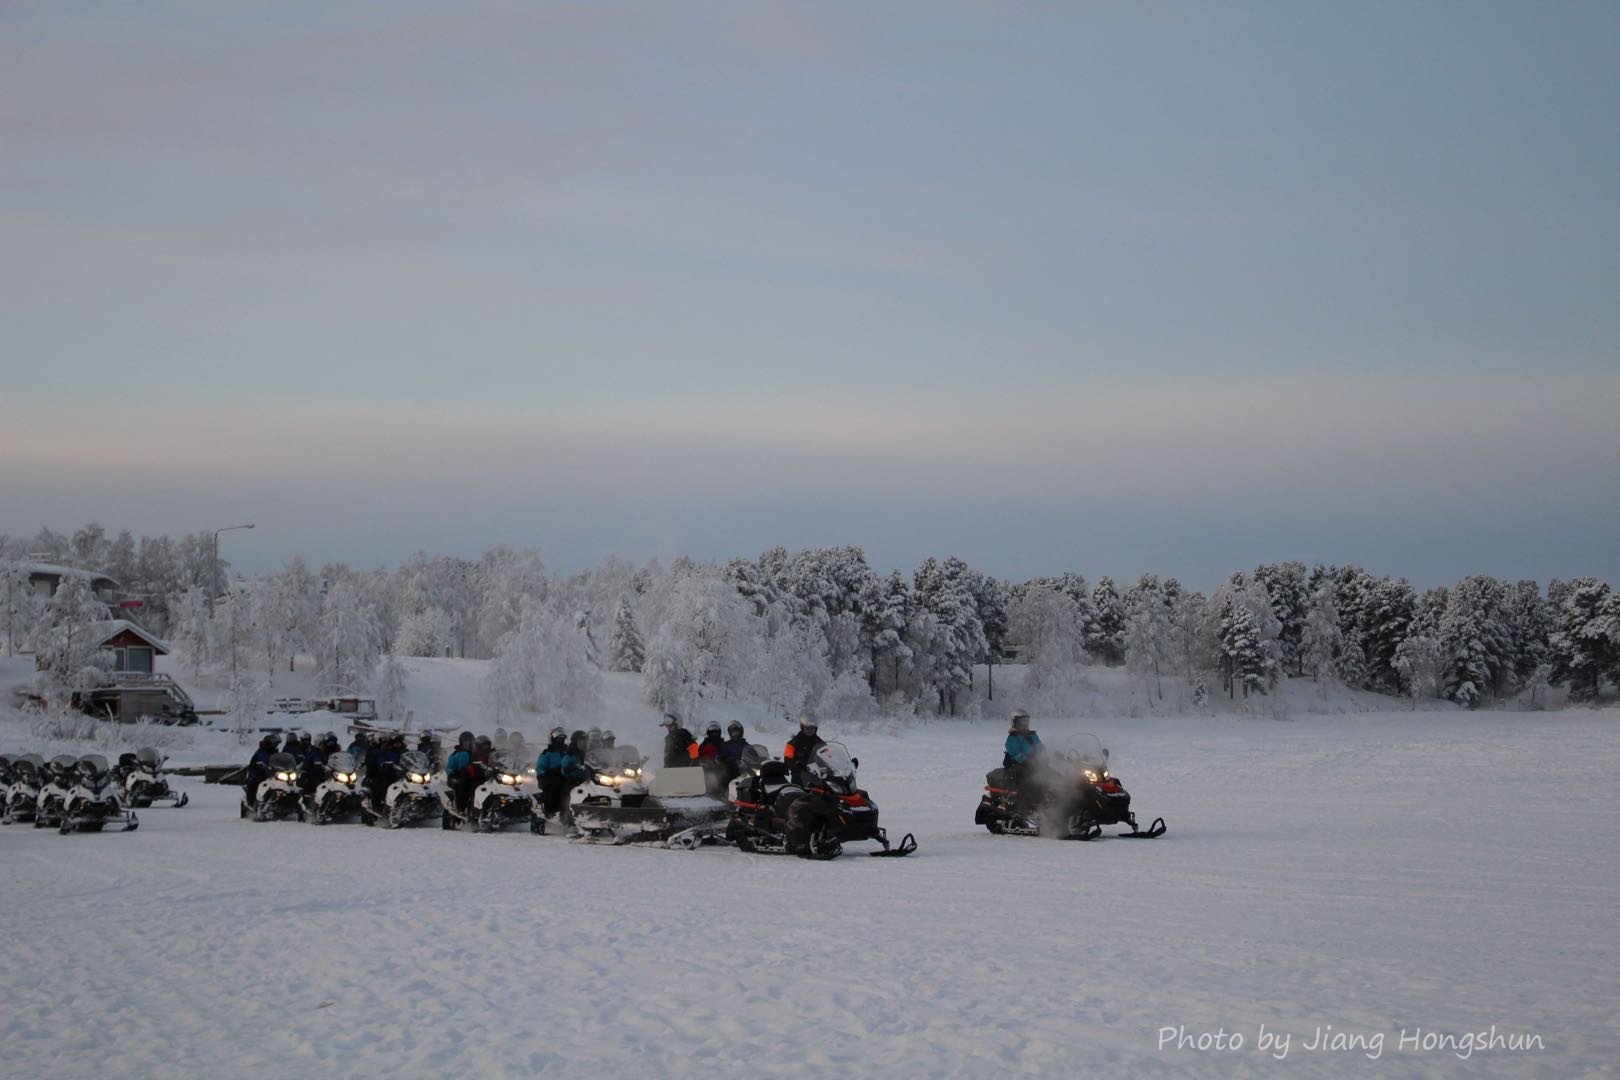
column 1144, row 286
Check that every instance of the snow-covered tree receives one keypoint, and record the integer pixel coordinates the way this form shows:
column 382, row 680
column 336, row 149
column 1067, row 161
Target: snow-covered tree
column 1475, row 642
column 707, row 638
column 1147, row 631
column 348, row 640
column 625, row 650
column 1105, row 639
column 1048, row 626
column 1418, row 662
column 19, row 607
column 1321, row 640
column 193, row 630
column 68, row 656
column 390, row 685
column 1242, row 658
column 1584, row 647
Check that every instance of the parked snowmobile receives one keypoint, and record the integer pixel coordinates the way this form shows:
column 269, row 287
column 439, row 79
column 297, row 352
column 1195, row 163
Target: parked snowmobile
column 21, row 792
column 336, row 798
column 772, row 814
column 410, row 797
column 497, row 801
column 1067, row 793
column 90, row 805
column 277, row 796
column 139, row 780
column 53, row 792
column 616, row 805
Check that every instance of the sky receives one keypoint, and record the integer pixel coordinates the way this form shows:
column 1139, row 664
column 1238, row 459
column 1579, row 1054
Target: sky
column 1114, row 288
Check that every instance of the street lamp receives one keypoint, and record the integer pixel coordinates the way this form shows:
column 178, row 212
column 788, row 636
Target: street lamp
column 219, row 574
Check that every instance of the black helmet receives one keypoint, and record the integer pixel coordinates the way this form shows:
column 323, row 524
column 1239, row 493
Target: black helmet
column 734, row 728
column 306, row 738
column 268, row 742
column 713, row 728
column 331, row 742
column 807, row 720
column 557, row 733
column 465, row 739
column 482, row 742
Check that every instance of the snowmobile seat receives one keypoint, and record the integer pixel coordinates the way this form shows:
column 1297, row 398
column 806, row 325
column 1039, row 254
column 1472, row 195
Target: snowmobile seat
column 774, row 772
column 1005, row 779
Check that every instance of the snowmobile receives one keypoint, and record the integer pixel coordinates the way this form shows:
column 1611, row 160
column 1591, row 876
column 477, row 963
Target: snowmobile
column 89, row 806
column 277, row 794
column 53, row 792
column 139, row 780
column 813, row 818
column 21, row 795
column 409, row 797
column 336, row 798
column 497, row 801
column 1067, row 793
column 616, row 805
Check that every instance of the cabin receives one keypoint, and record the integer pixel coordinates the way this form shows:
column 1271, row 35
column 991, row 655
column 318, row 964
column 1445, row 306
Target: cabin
column 45, row 578
column 134, row 650
column 138, row 691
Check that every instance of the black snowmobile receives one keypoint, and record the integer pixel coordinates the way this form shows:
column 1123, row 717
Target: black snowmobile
column 813, row 818
column 1067, row 793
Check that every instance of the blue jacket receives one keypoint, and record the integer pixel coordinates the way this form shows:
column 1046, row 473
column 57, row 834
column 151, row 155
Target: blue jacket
column 1019, row 748
column 459, row 760
column 551, row 760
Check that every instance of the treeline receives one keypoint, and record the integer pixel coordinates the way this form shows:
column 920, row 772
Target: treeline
column 821, row 629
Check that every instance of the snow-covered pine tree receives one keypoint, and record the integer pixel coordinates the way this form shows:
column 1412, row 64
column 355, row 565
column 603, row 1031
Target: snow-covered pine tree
column 625, row 650
column 1584, row 647
column 348, row 642
column 1107, row 638
column 1243, row 661
column 1285, row 585
column 65, row 649
column 1418, row 663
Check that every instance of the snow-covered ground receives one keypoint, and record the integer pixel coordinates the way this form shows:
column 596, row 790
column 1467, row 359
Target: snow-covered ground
column 1383, row 873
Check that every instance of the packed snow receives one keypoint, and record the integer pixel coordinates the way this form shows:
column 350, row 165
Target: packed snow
column 1376, row 875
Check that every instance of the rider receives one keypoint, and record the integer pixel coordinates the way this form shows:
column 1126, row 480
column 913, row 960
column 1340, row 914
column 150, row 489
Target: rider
column 709, row 748
column 802, row 747
column 259, row 767
column 679, row 746
column 458, row 769
column 381, row 766
column 548, row 768
column 1019, row 754
column 730, row 753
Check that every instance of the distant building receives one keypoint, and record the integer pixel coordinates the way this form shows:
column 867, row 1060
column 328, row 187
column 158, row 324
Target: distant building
column 44, row 579
column 135, row 651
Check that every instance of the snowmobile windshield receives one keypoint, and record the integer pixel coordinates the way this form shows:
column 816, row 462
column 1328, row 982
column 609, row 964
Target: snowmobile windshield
column 340, row 762
column 754, row 755
column 415, row 763
column 148, row 757
column 63, row 763
column 283, row 762
column 1082, row 748
column 832, row 763
column 93, row 765
column 506, row 766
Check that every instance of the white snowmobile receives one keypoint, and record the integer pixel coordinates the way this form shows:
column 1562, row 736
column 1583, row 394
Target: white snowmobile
column 410, row 797
column 139, row 780
column 89, row 805
column 22, row 794
column 277, row 794
column 336, row 798
column 617, row 805
column 53, row 792
column 497, row 801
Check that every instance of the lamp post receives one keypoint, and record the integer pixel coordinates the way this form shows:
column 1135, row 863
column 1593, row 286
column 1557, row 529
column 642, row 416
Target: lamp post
column 218, row 573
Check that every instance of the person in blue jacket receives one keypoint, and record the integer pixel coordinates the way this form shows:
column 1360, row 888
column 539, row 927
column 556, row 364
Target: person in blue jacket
column 554, row 768
column 259, row 767
column 1019, row 754
column 458, row 770
column 1022, row 744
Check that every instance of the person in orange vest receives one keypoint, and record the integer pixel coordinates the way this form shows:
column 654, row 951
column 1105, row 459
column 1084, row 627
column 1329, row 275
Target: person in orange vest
column 679, row 746
column 802, row 747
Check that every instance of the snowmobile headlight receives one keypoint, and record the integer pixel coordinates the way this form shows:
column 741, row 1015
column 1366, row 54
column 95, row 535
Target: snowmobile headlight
column 1091, row 774
column 419, row 778
column 284, row 777
column 607, row 779
column 346, row 777
column 508, row 778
